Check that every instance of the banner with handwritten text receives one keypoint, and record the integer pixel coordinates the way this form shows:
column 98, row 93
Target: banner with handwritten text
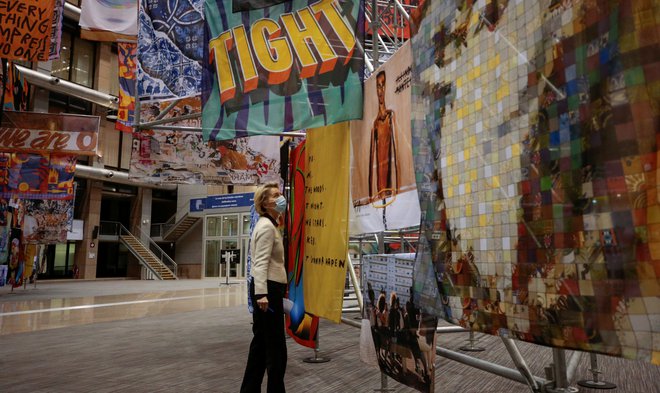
column 326, row 219
column 25, row 29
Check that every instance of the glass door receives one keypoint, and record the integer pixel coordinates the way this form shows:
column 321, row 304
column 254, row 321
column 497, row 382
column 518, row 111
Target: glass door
column 212, row 268
column 232, row 263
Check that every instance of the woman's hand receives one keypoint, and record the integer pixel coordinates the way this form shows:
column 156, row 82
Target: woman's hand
column 263, row 303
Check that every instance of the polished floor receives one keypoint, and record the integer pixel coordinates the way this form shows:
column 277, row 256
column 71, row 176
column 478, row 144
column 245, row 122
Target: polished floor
column 193, row 335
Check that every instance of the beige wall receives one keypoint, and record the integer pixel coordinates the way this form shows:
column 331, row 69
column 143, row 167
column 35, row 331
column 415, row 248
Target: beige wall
column 190, row 252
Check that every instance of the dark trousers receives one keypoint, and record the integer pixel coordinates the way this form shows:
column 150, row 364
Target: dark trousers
column 268, row 347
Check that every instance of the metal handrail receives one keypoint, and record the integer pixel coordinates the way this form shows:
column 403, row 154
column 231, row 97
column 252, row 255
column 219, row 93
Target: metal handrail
column 118, row 229
column 162, row 256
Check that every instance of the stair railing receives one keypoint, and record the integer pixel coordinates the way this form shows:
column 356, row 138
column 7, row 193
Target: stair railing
column 114, row 228
column 151, row 245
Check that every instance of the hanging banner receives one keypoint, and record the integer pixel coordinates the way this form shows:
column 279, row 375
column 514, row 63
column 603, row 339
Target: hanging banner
column 126, row 56
column 109, row 20
column 383, row 187
column 536, row 159
column 182, row 157
column 16, row 89
column 46, row 221
column 286, row 67
column 16, row 261
column 32, row 132
column 326, row 220
column 25, row 29
column 300, row 325
column 37, row 176
column 56, row 30
column 170, row 49
column 403, row 335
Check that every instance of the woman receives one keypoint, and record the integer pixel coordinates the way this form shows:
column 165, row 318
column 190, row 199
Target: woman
column 268, row 347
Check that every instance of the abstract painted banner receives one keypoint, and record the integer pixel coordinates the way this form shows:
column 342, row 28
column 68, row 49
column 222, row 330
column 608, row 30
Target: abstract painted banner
column 126, row 56
column 25, row 29
column 16, row 89
column 46, row 221
column 37, row 176
column 170, row 49
column 109, row 20
column 162, row 156
column 535, row 133
column 383, row 186
column 403, row 335
column 32, row 132
column 300, row 325
column 326, row 220
column 291, row 66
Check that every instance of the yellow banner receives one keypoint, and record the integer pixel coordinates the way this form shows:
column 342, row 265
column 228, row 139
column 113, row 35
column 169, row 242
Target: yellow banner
column 326, row 220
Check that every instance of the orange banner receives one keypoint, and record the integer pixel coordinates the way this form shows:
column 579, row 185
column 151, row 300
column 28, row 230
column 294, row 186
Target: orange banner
column 25, row 29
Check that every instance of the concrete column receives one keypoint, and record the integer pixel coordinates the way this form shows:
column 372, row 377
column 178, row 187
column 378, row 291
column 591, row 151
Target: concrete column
column 86, row 254
column 145, row 216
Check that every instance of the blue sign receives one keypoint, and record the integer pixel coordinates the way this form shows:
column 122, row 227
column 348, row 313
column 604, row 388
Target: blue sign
column 197, row 204
column 225, row 201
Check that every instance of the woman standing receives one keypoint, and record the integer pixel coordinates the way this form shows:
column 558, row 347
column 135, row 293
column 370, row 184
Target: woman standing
column 268, row 347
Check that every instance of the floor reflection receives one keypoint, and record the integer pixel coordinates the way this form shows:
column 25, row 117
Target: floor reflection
column 31, row 315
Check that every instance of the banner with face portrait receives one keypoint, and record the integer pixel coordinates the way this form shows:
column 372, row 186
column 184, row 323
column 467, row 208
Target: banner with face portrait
column 536, row 152
column 383, row 187
column 285, row 67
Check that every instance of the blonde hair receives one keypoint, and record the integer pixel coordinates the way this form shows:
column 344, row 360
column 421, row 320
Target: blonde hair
column 261, row 195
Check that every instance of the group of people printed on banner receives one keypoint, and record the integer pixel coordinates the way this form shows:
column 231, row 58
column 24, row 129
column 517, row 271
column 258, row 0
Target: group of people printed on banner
column 403, row 337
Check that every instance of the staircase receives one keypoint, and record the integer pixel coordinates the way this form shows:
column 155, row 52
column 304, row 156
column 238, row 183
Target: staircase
column 146, row 257
column 173, row 231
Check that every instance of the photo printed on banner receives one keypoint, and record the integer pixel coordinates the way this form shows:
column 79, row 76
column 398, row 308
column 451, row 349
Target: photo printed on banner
column 535, row 129
column 403, row 335
column 383, row 187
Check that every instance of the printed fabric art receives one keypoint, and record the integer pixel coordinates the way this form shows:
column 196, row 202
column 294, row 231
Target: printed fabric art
column 286, row 67
column 183, row 157
column 535, row 135
column 170, row 49
column 126, row 57
column 300, row 324
column 37, row 176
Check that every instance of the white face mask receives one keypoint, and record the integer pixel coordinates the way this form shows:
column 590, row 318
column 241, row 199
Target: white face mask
column 280, row 204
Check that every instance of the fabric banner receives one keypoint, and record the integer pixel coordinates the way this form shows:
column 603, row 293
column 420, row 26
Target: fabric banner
column 254, row 217
column 162, row 156
column 247, row 5
column 536, row 156
column 25, row 29
column 300, row 70
column 56, row 30
column 37, row 176
column 126, row 56
column 16, row 89
column 16, row 260
column 383, row 187
column 170, row 49
column 109, row 20
column 403, row 335
column 300, row 325
column 326, row 220
column 32, row 132
column 46, row 221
